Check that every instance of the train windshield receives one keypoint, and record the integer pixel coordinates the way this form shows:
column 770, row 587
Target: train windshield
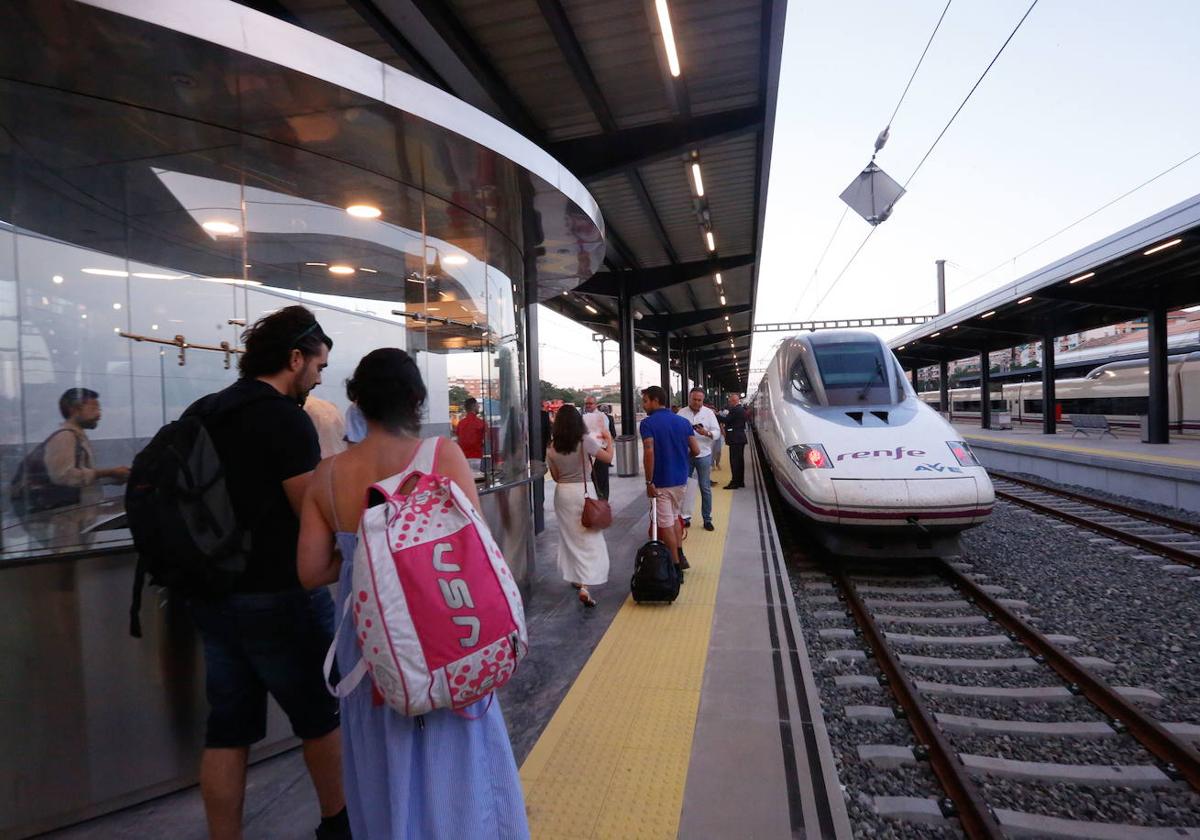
column 853, row 372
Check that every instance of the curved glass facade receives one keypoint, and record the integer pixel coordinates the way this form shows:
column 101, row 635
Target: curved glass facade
column 160, row 190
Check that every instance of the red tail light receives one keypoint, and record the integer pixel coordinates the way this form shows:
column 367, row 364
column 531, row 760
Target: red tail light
column 815, row 458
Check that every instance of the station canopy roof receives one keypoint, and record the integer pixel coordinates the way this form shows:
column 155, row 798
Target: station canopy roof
column 1152, row 264
column 590, row 81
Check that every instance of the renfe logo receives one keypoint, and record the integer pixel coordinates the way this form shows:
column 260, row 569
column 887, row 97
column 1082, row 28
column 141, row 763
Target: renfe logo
column 895, row 454
column 456, row 594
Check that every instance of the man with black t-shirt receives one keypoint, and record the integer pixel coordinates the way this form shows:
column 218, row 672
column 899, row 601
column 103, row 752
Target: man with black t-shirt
column 270, row 635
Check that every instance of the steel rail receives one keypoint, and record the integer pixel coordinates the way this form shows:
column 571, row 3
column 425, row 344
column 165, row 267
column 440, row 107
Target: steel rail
column 1115, row 507
column 1180, row 757
column 972, row 811
column 1166, row 549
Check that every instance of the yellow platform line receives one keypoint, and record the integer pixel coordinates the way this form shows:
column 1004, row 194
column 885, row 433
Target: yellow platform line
column 613, row 761
column 1120, row 454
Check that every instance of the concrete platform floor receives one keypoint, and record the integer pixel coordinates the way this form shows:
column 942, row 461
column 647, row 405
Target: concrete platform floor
column 1183, row 450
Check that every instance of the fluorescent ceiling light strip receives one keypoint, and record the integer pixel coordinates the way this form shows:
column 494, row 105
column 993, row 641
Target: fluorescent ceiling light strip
column 697, row 179
column 1083, row 277
column 1161, row 247
column 668, row 36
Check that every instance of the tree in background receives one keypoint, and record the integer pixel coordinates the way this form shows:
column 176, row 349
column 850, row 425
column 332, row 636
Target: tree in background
column 458, row 395
column 550, row 391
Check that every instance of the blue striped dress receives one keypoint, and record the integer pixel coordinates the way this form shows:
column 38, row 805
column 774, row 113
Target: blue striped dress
column 449, row 778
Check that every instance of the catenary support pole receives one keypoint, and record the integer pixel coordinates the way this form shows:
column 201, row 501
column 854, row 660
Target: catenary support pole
column 1159, row 418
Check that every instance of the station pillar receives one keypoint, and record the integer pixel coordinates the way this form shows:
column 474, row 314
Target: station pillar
column 626, row 350
column 944, row 387
column 912, row 377
column 664, row 361
column 533, row 390
column 1049, row 400
column 699, row 378
column 1158, row 419
column 985, row 390
column 684, row 370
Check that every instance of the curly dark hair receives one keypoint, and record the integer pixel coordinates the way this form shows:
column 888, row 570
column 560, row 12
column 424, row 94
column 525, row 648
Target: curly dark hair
column 568, row 430
column 388, row 389
column 272, row 338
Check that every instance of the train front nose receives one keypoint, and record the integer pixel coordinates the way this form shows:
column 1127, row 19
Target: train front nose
column 939, row 502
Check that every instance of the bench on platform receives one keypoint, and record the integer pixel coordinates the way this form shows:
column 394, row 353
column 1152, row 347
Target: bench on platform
column 1088, row 423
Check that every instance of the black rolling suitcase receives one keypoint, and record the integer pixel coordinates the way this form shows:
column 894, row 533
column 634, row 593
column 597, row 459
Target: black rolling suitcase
column 655, row 577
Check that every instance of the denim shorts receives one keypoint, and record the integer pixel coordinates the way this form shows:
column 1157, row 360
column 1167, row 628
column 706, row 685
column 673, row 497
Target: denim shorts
column 266, row 643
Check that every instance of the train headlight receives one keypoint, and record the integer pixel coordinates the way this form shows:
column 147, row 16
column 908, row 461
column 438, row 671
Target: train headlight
column 810, row 456
column 963, row 453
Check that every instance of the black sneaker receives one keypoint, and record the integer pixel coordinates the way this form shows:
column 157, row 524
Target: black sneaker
column 683, row 561
column 336, row 827
column 708, row 526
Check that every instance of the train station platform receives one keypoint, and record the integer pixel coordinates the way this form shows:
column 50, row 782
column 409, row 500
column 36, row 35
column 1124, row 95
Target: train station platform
column 697, row 719
column 1122, row 465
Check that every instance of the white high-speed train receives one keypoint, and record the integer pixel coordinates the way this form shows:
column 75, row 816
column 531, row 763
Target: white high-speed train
column 868, row 467
column 1118, row 390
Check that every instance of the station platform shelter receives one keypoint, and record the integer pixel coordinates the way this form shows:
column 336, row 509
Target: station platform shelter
column 1118, row 463
column 697, row 719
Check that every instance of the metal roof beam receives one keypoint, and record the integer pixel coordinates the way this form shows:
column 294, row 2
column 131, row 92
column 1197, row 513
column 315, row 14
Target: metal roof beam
column 647, row 280
column 717, row 338
column 683, row 320
column 590, row 158
column 1087, row 298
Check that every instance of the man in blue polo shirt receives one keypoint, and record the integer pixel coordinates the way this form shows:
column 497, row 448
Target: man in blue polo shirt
column 668, row 445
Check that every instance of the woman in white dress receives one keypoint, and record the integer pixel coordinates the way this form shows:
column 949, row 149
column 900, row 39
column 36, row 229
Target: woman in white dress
column 582, row 553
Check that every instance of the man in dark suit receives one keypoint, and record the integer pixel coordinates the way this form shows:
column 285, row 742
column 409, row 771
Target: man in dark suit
column 735, row 439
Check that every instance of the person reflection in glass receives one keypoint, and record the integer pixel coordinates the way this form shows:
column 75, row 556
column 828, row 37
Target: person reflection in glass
column 68, row 474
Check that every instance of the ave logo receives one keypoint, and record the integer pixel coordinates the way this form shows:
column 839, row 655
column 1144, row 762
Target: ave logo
column 937, row 468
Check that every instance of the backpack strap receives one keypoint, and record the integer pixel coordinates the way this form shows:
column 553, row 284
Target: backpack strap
column 351, row 680
column 422, row 462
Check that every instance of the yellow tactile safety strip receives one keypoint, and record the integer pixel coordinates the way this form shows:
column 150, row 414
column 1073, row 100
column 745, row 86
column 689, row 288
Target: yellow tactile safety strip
column 613, row 761
column 1109, row 453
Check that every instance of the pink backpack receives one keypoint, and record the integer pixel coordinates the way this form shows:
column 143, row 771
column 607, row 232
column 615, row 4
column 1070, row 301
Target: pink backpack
column 437, row 614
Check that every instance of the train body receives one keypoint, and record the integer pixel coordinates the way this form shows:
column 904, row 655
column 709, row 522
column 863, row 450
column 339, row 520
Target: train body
column 867, row 467
column 1118, row 390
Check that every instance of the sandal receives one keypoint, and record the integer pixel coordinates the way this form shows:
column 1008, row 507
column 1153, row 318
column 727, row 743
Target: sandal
column 585, row 598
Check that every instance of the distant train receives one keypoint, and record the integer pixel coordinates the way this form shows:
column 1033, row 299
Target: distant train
column 864, row 464
column 1118, row 390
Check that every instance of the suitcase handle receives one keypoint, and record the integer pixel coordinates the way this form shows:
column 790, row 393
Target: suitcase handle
column 653, row 518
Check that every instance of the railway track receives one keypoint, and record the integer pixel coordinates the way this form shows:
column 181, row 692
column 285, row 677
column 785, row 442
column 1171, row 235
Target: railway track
column 946, row 600
column 1174, row 539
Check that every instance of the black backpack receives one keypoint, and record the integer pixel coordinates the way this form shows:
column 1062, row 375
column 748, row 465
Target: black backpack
column 182, row 520
column 655, row 576
column 32, row 491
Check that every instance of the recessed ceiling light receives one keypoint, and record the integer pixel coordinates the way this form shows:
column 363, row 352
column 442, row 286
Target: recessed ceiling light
column 718, row 275
column 988, row 314
column 58, row 279
column 722, row 300
column 1024, row 300
column 105, row 272
column 697, row 179
column 1083, row 277
column 954, row 327
column 320, row 264
column 710, row 240
column 1161, row 247
column 455, row 259
column 116, row 306
column 220, row 228
column 364, row 211
column 341, row 270
column 591, row 308
column 368, row 270
column 154, row 326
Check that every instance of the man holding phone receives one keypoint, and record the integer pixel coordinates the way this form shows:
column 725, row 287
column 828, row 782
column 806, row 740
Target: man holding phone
column 704, row 423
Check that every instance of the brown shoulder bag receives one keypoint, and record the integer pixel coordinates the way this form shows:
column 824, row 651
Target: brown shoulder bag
column 597, row 514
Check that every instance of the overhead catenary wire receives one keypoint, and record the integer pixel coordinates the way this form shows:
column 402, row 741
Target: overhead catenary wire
column 935, row 143
column 880, row 140
column 1078, row 221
